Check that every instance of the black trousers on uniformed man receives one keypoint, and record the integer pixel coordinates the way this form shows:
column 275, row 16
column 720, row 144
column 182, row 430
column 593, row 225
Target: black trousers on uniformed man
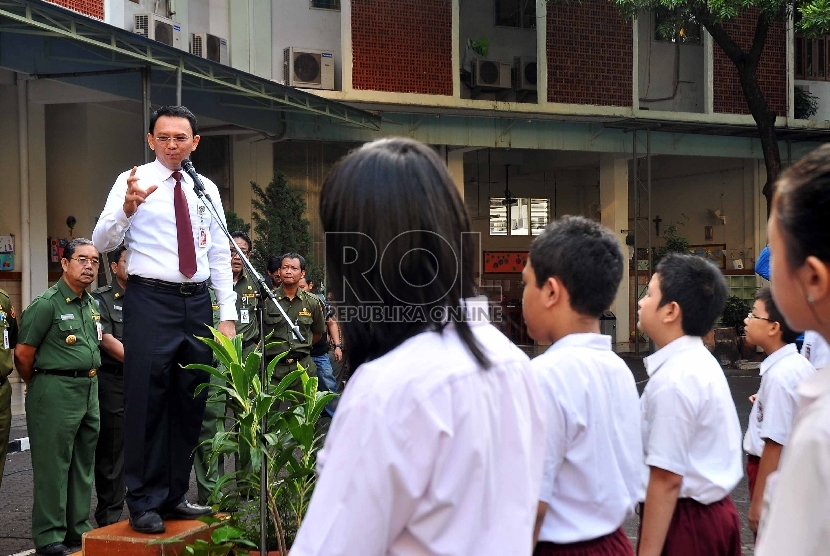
column 109, row 452
column 162, row 418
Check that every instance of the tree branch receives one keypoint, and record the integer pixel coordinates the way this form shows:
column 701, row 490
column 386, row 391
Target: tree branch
column 720, row 36
column 758, row 41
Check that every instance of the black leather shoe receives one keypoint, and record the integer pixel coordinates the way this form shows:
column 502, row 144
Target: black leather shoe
column 147, row 522
column 187, row 510
column 73, row 546
column 53, row 549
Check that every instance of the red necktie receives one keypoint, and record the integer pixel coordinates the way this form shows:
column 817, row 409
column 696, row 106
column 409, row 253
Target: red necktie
column 184, row 230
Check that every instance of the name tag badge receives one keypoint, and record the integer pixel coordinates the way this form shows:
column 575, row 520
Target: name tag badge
column 67, row 317
column 202, row 237
column 5, row 339
column 100, row 331
column 244, row 317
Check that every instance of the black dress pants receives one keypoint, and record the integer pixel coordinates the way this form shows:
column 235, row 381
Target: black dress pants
column 109, row 452
column 162, row 418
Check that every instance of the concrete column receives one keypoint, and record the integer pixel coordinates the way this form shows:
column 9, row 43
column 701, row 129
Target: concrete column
column 790, row 54
column 708, row 73
column 542, row 51
column 38, row 235
column 251, row 162
column 456, row 49
column 455, row 164
column 635, row 63
column 613, row 195
column 346, row 62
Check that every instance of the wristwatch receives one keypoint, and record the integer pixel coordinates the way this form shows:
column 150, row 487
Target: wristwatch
column 338, row 346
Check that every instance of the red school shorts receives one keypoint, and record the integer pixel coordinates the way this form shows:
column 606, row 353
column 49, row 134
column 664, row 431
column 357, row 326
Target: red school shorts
column 703, row 529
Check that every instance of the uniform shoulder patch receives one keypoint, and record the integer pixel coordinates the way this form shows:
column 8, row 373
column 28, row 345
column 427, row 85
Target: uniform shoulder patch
column 48, row 294
column 102, row 289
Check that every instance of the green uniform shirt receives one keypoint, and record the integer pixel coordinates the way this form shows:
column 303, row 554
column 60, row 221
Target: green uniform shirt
column 8, row 335
column 110, row 304
column 214, row 305
column 304, row 310
column 246, row 303
column 64, row 328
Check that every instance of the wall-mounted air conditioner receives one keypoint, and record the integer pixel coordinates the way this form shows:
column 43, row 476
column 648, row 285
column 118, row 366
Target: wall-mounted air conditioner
column 525, row 73
column 159, row 29
column 489, row 74
column 209, row 46
column 308, row 68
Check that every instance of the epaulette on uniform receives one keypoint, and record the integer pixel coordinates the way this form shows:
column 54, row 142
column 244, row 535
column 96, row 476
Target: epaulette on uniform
column 102, row 289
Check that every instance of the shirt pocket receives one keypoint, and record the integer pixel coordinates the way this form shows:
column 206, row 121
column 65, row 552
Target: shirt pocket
column 69, row 327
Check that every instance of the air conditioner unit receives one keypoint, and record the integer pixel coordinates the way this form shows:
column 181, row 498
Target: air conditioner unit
column 488, row 74
column 525, row 73
column 308, row 68
column 209, row 46
column 159, row 29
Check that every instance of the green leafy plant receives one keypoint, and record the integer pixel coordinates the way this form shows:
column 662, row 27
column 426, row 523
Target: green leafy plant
column 734, row 313
column 235, row 222
column 289, row 442
column 480, row 47
column 279, row 223
column 806, row 104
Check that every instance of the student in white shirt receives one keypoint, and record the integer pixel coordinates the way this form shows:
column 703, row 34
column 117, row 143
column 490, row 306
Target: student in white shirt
column 816, row 349
column 436, row 446
column 691, row 433
column 798, row 520
column 591, row 478
column 776, row 403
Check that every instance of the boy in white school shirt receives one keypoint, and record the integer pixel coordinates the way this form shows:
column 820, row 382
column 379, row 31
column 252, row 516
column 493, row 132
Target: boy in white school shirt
column 775, row 405
column 591, row 478
column 691, row 433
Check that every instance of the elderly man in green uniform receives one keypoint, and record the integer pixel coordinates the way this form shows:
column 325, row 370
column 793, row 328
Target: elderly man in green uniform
column 8, row 329
column 109, row 453
column 303, row 309
column 58, row 358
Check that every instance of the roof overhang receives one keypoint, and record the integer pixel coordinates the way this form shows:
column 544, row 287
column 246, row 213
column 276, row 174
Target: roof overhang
column 47, row 41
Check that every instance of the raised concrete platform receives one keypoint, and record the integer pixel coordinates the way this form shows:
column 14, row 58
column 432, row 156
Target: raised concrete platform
column 120, row 540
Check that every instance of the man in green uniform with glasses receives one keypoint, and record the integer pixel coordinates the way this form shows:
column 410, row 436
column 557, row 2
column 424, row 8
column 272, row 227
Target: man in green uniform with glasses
column 58, row 358
column 8, row 330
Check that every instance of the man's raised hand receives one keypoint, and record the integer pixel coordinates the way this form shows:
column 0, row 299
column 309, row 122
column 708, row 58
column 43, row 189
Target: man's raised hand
column 135, row 194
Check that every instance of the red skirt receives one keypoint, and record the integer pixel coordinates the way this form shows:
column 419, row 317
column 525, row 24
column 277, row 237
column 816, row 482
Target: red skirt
column 703, row 530
column 612, row 544
column 752, row 463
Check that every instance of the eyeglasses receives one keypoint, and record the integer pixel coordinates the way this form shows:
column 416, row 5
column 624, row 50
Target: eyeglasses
column 83, row 261
column 752, row 315
column 234, row 253
column 180, row 139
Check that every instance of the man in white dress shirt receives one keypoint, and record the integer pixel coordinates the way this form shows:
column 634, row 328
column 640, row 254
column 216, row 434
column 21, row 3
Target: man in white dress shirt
column 437, row 443
column 174, row 246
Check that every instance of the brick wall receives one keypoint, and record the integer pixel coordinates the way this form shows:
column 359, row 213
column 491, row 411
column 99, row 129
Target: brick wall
column 91, row 8
column 772, row 70
column 403, row 46
column 590, row 54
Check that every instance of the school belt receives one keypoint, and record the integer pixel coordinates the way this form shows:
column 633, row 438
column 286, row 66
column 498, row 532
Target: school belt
column 81, row 373
column 180, row 288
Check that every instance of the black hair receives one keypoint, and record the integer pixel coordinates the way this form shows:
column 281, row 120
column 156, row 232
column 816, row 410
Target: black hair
column 73, row 245
column 788, row 335
column 585, row 256
column 115, row 255
column 274, row 263
column 391, row 209
column 802, row 205
column 294, row 256
column 244, row 236
column 697, row 286
column 174, row 112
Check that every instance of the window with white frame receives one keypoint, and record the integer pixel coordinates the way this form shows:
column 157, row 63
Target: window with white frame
column 325, row 4
column 515, row 13
column 518, row 217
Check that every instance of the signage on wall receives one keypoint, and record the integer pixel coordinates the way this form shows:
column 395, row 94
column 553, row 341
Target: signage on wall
column 504, row 261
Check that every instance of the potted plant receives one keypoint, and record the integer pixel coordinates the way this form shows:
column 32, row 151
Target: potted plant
column 726, row 336
column 290, row 442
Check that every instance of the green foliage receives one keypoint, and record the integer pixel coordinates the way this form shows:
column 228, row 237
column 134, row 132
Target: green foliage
column 289, row 441
column 815, row 17
column 481, row 46
column 673, row 242
column 734, row 313
column 279, row 222
column 235, row 223
column 806, row 104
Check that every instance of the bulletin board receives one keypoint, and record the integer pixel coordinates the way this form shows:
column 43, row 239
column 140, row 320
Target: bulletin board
column 504, row 261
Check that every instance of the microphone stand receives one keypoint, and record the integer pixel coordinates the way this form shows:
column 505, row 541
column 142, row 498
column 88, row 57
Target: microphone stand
column 264, row 292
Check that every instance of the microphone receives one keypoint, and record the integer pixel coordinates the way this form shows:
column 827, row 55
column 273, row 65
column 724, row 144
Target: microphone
column 198, row 186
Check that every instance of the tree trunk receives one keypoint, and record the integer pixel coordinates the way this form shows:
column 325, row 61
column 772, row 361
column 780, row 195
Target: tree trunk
column 746, row 63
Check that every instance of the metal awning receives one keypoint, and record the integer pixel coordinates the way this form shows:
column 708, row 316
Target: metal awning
column 39, row 38
column 726, row 130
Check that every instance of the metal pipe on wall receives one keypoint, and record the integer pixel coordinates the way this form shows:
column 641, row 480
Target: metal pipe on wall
column 145, row 107
column 635, row 182
column 25, row 218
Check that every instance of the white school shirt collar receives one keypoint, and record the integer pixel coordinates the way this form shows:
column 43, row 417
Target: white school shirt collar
column 654, row 361
column 777, row 356
column 165, row 173
column 591, row 340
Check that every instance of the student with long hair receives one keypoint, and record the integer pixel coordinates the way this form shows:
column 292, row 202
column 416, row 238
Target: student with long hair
column 798, row 521
column 438, row 440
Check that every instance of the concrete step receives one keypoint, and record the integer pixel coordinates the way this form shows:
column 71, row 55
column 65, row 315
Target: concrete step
column 119, row 539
